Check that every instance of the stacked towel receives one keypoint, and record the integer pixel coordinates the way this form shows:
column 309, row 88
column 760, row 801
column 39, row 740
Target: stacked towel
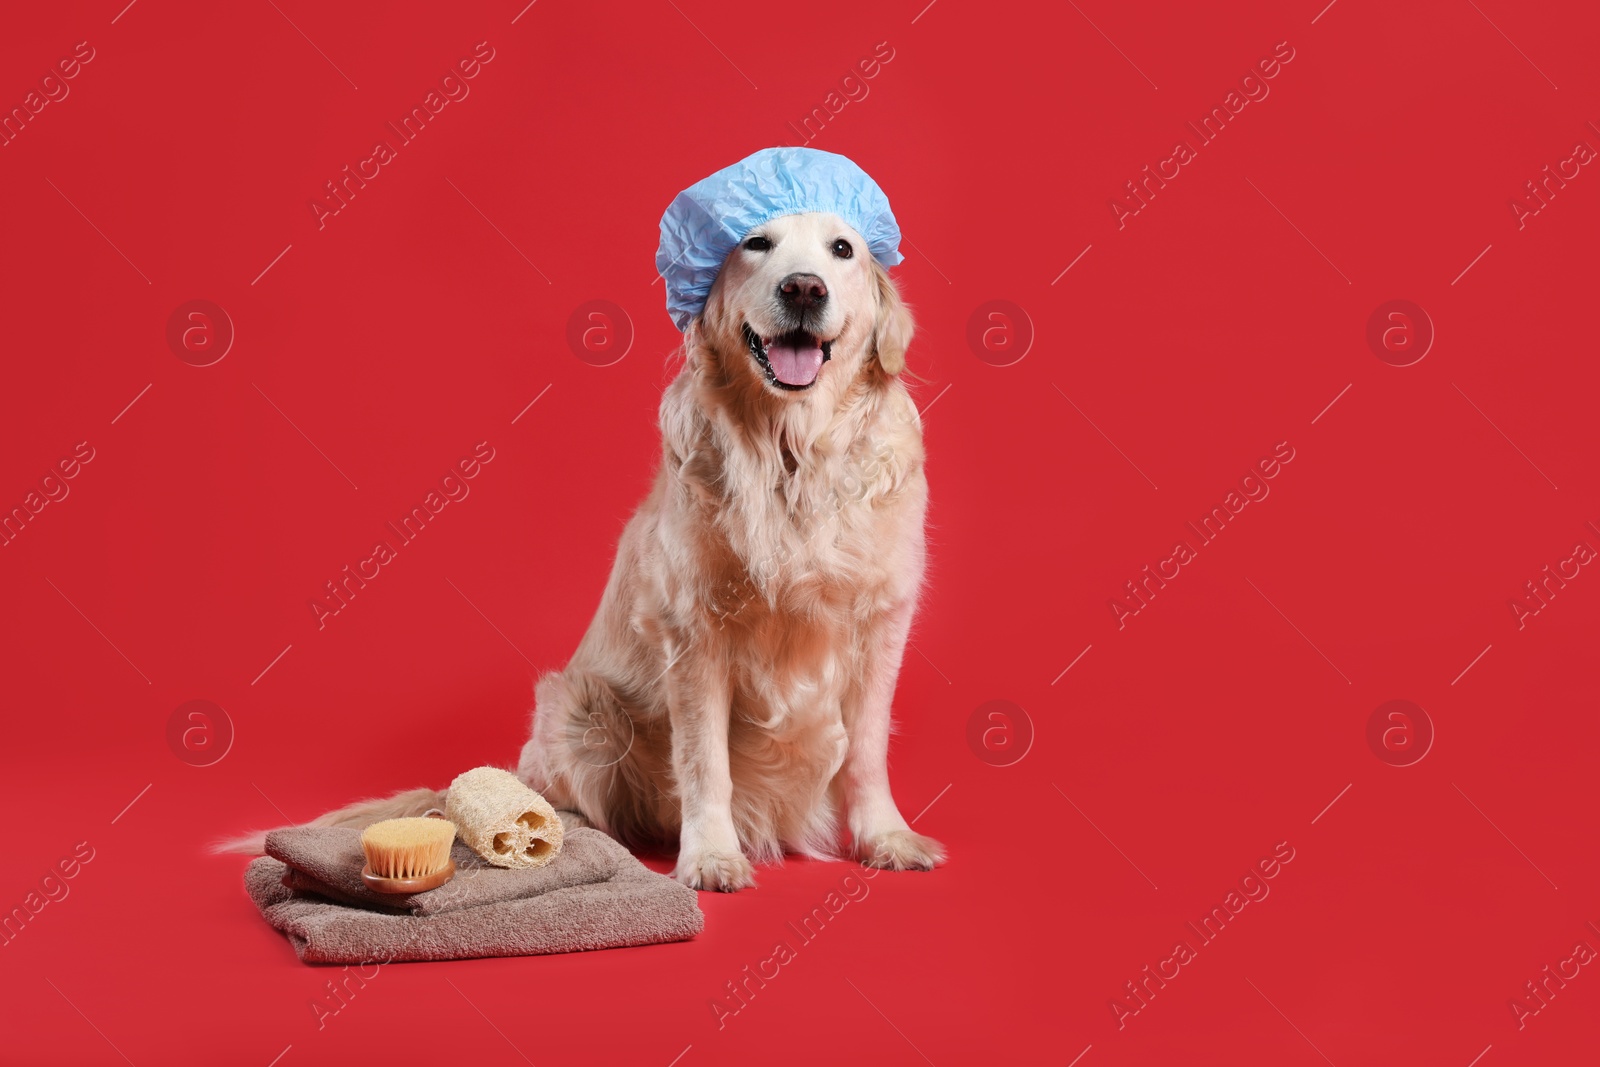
column 593, row 895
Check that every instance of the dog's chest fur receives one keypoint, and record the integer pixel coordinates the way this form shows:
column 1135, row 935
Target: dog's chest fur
column 807, row 532
column 809, row 523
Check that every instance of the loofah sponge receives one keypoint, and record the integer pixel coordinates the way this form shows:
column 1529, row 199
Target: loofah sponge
column 502, row 820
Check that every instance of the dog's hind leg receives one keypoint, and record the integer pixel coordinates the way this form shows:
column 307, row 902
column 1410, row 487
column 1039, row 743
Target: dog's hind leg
column 587, row 760
column 571, row 820
column 550, row 760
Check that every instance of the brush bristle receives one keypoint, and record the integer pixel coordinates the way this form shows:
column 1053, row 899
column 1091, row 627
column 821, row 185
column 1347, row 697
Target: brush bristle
column 407, row 848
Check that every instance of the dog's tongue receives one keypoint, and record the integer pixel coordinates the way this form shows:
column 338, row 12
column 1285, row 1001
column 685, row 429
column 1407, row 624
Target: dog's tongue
column 794, row 365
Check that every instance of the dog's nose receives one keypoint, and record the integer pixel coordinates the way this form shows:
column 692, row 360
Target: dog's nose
column 802, row 291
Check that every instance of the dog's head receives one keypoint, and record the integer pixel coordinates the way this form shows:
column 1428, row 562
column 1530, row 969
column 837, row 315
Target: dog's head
column 801, row 306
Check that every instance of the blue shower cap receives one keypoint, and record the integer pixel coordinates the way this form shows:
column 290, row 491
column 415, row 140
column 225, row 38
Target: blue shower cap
column 707, row 221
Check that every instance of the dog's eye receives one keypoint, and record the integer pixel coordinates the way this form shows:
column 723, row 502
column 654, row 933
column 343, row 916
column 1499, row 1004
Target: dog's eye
column 758, row 244
column 842, row 249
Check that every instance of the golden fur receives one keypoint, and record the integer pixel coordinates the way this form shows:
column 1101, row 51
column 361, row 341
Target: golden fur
column 733, row 690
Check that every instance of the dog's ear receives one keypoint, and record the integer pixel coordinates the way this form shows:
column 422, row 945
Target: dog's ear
column 708, row 326
column 891, row 334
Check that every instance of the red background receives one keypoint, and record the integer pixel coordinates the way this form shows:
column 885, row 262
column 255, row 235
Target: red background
column 1222, row 319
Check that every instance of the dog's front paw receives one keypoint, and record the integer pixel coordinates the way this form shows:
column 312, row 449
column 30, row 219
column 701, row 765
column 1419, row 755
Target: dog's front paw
column 900, row 850
column 725, row 872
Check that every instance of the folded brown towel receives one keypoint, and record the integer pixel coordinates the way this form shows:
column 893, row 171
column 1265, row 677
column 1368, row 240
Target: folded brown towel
column 327, row 861
column 593, row 895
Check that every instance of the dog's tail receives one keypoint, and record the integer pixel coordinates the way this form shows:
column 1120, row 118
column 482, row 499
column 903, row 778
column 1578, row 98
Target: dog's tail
column 360, row 814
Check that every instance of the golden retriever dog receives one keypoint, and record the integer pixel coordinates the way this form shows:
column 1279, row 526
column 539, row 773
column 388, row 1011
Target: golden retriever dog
column 733, row 691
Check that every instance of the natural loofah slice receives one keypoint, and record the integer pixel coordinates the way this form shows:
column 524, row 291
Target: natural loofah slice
column 408, row 855
column 502, row 820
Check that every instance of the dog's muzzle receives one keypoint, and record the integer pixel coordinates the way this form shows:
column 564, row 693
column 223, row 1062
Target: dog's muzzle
column 791, row 360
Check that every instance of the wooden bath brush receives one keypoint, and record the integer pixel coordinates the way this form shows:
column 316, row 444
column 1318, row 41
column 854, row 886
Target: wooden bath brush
column 407, row 856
